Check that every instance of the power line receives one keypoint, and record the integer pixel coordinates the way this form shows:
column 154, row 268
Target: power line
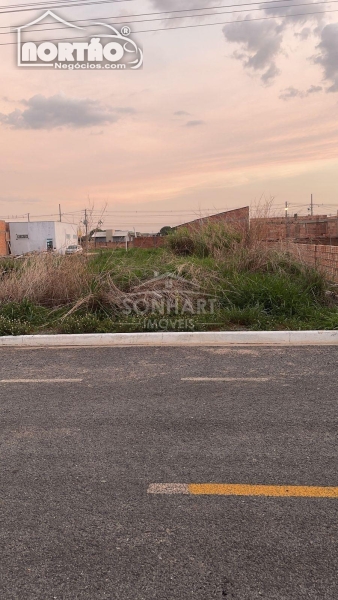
column 165, row 12
column 159, row 212
column 183, row 210
column 238, row 21
column 186, row 212
column 189, row 16
column 196, row 25
column 124, row 17
column 144, row 221
column 198, row 212
column 55, row 4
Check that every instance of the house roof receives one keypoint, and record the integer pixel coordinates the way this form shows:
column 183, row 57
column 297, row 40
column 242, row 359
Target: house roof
column 99, row 234
column 116, row 233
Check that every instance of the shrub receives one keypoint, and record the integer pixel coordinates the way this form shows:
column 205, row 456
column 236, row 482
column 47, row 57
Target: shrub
column 181, row 242
column 211, row 239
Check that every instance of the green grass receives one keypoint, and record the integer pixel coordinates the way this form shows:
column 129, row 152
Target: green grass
column 251, row 289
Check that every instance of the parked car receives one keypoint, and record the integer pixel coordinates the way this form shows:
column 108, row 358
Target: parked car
column 76, row 249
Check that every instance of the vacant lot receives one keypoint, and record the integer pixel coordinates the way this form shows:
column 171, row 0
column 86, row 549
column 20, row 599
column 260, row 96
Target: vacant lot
column 211, row 279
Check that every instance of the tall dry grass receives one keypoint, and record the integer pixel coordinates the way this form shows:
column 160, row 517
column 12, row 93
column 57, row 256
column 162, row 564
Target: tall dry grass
column 209, row 239
column 45, row 279
column 261, row 211
column 60, row 281
column 235, row 247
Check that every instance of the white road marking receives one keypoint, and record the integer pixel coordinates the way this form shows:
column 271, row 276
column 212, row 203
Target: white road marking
column 168, row 488
column 40, row 380
column 197, row 379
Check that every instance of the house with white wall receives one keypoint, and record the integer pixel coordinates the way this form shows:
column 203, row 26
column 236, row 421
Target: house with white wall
column 115, row 236
column 40, row 236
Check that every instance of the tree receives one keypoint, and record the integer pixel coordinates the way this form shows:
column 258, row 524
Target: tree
column 96, row 230
column 165, row 230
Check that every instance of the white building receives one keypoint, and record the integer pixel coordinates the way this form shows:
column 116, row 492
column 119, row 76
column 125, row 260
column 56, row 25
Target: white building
column 116, row 236
column 40, row 236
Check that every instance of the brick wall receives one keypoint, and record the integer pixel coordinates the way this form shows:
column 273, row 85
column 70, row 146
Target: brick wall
column 139, row 242
column 332, row 226
column 3, row 243
column 324, row 258
column 148, row 242
column 307, row 227
column 238, row 218
column 111, row 245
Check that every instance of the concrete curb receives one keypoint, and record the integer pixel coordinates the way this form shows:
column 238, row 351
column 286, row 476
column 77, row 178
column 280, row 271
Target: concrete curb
column 209, row 338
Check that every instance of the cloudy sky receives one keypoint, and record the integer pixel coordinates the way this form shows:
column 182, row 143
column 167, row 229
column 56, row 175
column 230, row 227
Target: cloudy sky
column 219, row 116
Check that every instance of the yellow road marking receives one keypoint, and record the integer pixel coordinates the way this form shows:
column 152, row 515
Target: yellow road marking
column 226, row 489
column 235, row 489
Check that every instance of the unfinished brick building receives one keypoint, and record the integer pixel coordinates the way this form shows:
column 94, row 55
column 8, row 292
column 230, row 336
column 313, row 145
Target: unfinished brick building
column 3, row 239
column 317, row 229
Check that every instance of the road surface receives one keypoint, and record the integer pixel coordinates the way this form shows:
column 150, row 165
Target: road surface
column 87, row 436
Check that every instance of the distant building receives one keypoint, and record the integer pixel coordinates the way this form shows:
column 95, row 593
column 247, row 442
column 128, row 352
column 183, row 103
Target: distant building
column 41, row 236
column 120, row 236
column 102, row 236
column 112, row 236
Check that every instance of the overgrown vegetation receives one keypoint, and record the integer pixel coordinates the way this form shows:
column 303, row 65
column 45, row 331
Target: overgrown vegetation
column 207, row 278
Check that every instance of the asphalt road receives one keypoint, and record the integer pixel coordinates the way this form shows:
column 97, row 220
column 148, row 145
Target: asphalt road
column 77, row 458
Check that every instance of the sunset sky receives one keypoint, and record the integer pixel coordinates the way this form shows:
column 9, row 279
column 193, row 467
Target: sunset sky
column 218, row 117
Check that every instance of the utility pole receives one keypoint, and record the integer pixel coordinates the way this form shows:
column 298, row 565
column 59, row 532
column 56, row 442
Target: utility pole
column 60, row 212
column 311, row 209
column 28, row 217
column 85, row 222
column 286, row 220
